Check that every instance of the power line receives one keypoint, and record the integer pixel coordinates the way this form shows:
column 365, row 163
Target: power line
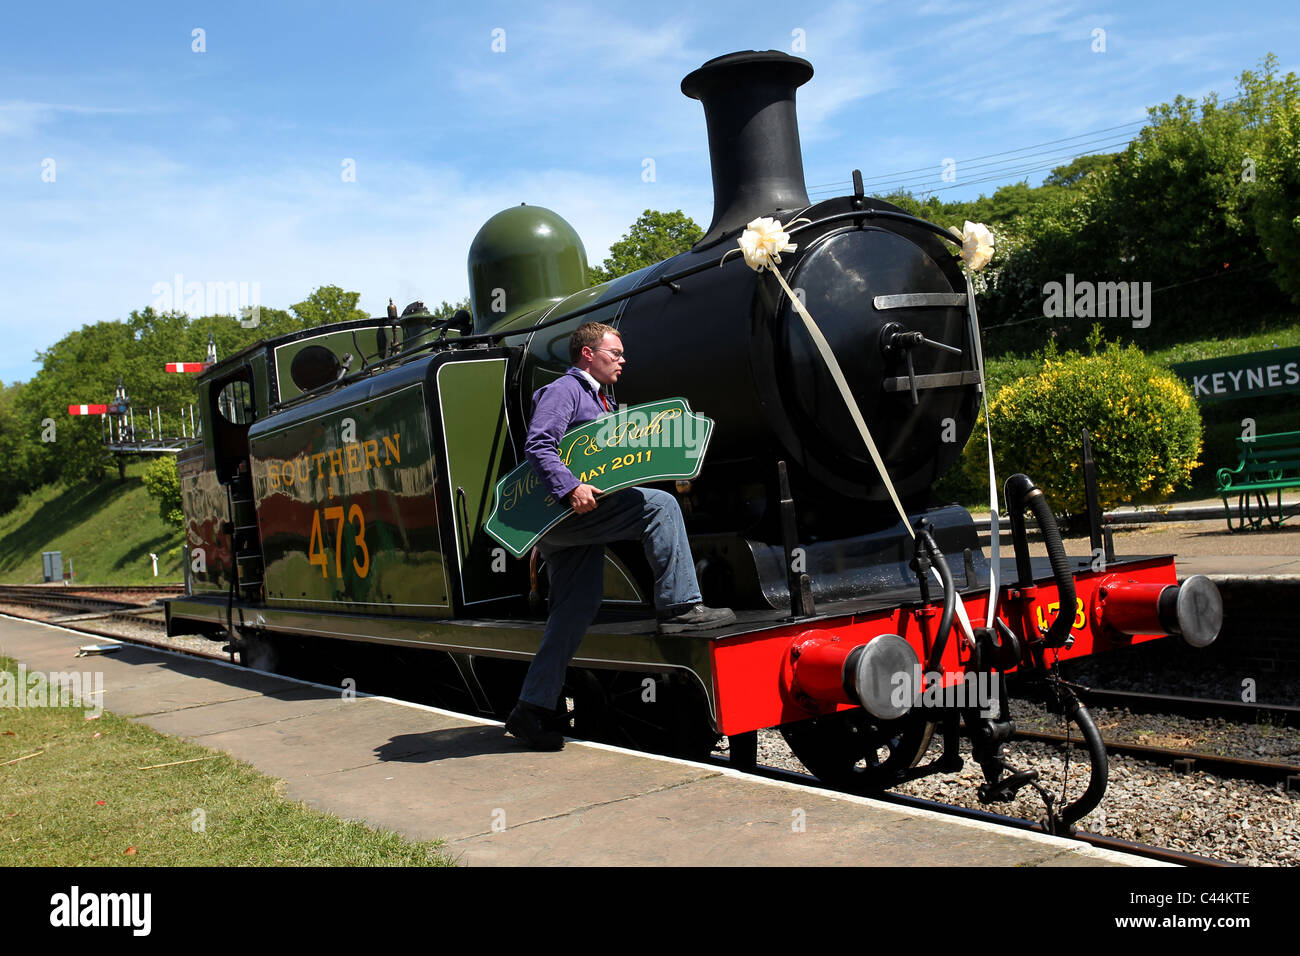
column 1001, row 175
column 1007, row 152
column 890, row 182
column 1017, row 172
column 999, row 170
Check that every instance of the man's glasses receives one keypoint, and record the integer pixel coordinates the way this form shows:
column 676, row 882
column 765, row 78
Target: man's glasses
column 617, row 353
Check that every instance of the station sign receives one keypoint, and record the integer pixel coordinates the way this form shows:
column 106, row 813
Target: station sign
column 1254, row 374
column 657, row 441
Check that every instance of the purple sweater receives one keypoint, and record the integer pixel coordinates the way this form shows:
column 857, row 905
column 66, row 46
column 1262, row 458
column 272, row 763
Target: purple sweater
column 564, row 404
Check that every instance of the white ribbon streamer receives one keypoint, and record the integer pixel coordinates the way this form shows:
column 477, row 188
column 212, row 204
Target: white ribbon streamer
column 995, row 535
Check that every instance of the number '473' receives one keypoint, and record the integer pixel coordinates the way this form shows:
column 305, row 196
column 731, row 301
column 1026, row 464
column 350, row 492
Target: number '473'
column 1079, row 618
column 357, row 524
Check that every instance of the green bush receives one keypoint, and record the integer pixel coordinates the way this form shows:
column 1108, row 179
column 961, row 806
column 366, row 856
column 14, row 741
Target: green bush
column 1143, row 424
column 163, row 483
column 1144, row 427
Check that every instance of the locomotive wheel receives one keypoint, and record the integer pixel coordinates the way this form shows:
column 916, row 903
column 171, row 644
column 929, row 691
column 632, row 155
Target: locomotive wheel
column 666, row 716
column 857, row 752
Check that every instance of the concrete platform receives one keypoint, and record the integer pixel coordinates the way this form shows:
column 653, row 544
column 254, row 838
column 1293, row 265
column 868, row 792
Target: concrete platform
column 427, row 773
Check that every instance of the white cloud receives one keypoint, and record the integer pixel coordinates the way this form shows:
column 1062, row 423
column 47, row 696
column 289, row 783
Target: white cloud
column 24, row 118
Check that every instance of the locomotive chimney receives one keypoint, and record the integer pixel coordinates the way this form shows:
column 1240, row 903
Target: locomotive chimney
column 754, row 149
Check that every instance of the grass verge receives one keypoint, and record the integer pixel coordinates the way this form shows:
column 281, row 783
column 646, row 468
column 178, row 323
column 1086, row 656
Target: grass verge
column 106, row 529
column 84, row 800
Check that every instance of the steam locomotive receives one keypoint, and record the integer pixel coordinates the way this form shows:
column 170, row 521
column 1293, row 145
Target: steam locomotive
column 339, row 494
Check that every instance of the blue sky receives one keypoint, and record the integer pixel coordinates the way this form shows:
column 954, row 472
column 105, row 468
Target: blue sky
column 227, row 165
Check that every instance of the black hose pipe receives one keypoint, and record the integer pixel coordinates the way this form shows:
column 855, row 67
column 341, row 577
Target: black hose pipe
column 1021, row 493
column 1076, row 712
column 949, row 598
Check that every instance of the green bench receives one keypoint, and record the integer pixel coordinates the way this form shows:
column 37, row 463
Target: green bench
column 1268, row 464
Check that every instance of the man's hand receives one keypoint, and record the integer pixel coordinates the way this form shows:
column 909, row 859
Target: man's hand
column 583, row 499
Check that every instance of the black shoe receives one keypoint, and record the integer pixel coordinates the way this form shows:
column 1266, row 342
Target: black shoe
column 697, row 618
column 532, row 727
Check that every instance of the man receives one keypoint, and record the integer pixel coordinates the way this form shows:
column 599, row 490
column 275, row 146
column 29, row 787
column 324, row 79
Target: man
column 575, row 548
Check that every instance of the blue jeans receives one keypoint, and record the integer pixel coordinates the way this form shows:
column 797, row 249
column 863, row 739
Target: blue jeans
column 575, row 562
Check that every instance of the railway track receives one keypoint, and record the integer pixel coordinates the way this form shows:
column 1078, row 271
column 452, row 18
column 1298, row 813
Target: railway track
column 99, row 599
column 1185, row 761
column 149, row 591
column 80, row 611
column 71, row 602
column 1196, row 707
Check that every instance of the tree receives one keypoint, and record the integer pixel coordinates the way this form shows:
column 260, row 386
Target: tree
column 81, row 368
column 1078, row 169
column 328, row 304
column 1202, row 205
column 448, row 309
column 655, row 236
column 163, row 483
column 1144, row 427
column 18, row 447
column 1272, row 105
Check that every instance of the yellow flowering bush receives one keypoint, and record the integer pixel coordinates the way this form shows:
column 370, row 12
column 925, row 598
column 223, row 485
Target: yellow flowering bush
column 1143, row 423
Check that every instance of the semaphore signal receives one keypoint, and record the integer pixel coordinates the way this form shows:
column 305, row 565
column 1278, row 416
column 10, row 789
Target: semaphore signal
column 188, row 367
column 118, row 417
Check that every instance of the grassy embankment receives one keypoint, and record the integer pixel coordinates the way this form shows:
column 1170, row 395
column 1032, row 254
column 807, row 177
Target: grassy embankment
column 106, row 529
column 90, row 792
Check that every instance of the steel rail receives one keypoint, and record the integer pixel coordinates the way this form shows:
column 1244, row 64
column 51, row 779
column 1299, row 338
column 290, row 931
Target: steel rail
column 1235, row 710
column 74, row 589
column 88, row 605
column 1183, row 761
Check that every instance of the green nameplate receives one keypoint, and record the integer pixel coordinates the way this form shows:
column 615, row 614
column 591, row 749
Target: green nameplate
column 658, row 441
column 1252, row 375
